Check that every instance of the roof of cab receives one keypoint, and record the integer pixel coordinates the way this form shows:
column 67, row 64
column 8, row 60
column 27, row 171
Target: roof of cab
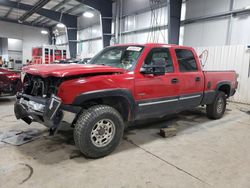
column 151, row 45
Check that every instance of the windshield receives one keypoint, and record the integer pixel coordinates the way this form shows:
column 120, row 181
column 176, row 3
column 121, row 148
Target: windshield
column 119, row 56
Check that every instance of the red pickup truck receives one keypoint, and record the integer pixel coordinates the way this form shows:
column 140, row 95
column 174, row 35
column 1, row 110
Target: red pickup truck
column 121, row 84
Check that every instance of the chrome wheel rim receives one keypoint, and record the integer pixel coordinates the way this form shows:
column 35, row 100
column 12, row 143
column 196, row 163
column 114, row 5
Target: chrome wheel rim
column 220, row 105
column 103, row 132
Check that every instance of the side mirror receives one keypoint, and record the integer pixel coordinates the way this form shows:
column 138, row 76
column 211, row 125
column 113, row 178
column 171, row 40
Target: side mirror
column 156, row 68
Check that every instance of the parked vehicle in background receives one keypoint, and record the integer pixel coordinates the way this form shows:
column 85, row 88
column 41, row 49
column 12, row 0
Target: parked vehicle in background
column 10, row 82
column 66, row 61
column 121, row 84
column 84, row 61
column 73, row 61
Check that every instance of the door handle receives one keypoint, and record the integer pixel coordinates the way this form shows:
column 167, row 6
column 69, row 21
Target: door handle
column 174, row 81
column 197, row 79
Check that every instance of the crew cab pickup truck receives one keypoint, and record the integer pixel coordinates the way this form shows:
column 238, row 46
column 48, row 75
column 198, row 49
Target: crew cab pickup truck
column 121, row 84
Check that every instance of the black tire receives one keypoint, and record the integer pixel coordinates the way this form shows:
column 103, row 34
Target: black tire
column 217, row 109
column 88, row 120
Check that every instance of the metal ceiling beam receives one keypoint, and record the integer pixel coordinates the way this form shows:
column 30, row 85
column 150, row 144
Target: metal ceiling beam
column 67, row 12
column 75, row 8
column 45, row 20
column 55, row 8
column 34, row 10
column 24, row 23
column 53, row 15
column 8, row 13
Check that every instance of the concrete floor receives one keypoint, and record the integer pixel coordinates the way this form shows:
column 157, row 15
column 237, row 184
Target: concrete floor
column 204, row 153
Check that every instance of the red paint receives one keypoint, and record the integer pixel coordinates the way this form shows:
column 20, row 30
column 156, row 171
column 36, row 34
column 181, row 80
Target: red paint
column 9, row 81
column 141, row 86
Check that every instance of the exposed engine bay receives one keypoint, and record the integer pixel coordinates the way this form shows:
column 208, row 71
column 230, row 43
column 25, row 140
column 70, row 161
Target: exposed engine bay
column 38, row 86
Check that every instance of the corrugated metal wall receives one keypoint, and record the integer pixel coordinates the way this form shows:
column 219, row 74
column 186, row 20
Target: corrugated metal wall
column 231, row 58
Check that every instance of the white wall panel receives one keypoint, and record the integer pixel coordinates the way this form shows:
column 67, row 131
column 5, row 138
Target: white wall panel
column 131, row 6
column 241, row 30
column 15, row 44
column 90, row 32
column 239, row 4
column 62, row 39
column 231, row 58
column 209, row 33
column 146, row 37
column 198, row 8
column 89, row 48
column 143, row 21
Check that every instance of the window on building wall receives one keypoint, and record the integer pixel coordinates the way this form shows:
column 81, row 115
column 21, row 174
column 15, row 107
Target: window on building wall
column 186, row 60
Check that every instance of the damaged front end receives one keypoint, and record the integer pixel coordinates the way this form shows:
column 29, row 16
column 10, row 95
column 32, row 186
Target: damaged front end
column 38, row 103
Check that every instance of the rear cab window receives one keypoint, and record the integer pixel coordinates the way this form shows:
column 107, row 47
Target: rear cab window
column 186, row 60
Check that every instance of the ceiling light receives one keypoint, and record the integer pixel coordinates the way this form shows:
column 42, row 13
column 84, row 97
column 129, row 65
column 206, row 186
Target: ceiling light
column 44, row 32
column 88, row 14
column 60, row 25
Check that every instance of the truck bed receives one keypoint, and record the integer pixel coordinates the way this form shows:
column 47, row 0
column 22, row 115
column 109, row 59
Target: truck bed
column 213, row 78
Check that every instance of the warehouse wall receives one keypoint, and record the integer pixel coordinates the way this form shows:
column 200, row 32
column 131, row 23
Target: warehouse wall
column 30, row 36
column 234, row 57
column 136, row 16
column 91, row 41
column 218, row 31
column 137, row 28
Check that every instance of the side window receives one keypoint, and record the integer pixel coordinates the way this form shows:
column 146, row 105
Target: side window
column 186, row 60
column 160, row 54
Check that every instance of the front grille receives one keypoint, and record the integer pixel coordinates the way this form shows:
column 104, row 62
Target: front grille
column 38, row 86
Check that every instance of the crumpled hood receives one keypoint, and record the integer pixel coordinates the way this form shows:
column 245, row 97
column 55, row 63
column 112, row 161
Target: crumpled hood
column 65, row 70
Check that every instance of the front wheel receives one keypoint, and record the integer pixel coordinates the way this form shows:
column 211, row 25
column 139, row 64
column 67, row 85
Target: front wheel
column 98, row 131
column 217, row 109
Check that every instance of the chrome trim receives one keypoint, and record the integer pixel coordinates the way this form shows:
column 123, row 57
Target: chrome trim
column 190, row 97
column 158, row 102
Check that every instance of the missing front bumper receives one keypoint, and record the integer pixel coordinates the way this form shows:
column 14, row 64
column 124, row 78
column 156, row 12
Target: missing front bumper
column 49, row 112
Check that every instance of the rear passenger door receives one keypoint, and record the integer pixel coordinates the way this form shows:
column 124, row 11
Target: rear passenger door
column 191, row 79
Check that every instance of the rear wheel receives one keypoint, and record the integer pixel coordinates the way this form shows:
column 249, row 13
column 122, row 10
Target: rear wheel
column 98, row 131
column 217, row 109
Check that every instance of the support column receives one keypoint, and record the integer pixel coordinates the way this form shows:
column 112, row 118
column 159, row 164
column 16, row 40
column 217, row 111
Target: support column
column 72, row 39
column 174, row 21
column 106, row 23
column 71, row 26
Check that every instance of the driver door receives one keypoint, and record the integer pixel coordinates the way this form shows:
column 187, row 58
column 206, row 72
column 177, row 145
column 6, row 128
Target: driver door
column 157, row 95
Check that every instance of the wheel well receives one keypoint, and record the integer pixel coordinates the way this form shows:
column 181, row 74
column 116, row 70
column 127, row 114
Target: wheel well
column 119, row 103
column 226, row 89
